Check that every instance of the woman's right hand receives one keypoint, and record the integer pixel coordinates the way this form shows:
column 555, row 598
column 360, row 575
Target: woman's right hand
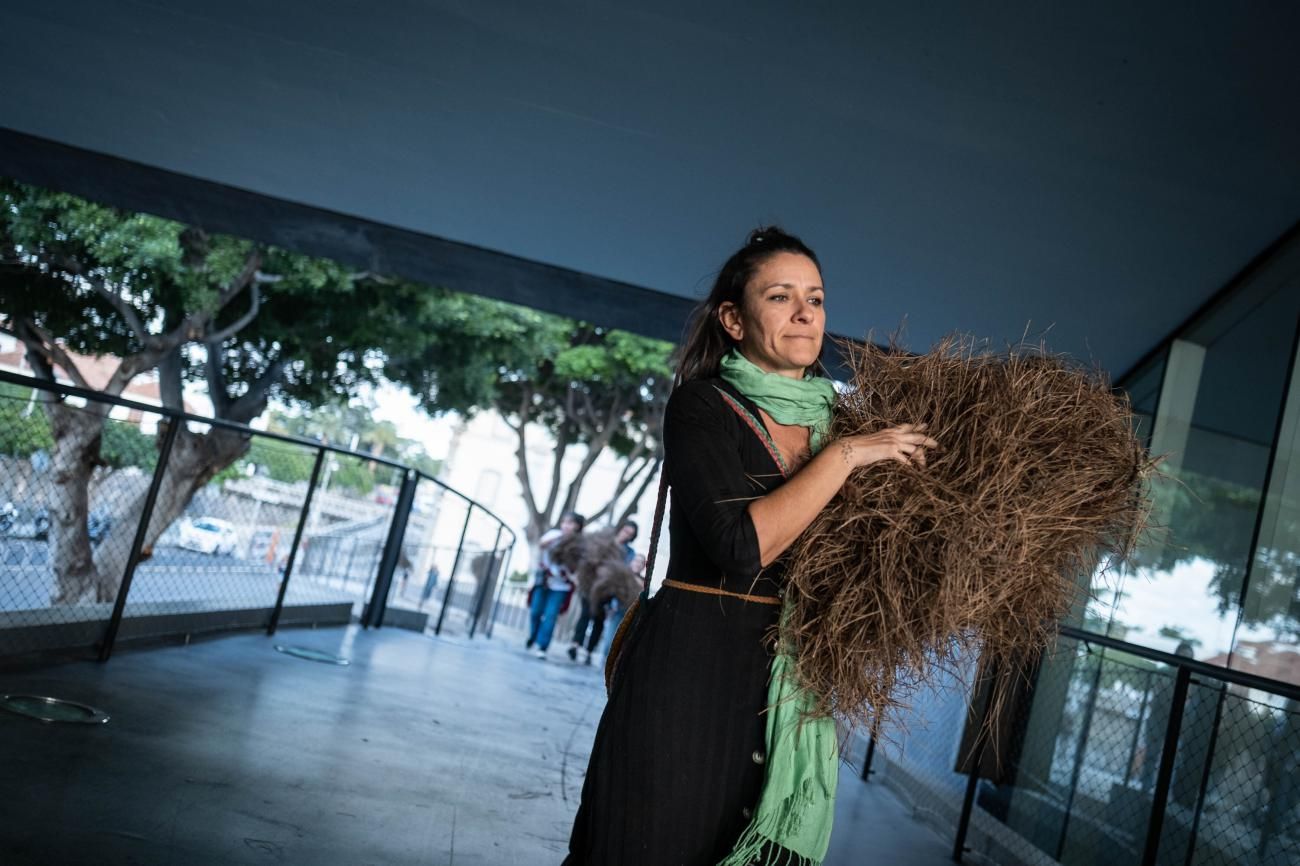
column 905, row 443
column 781, row 515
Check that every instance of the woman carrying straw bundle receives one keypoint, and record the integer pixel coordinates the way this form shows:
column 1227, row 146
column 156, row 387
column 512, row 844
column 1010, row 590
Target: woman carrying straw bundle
column 703, row 756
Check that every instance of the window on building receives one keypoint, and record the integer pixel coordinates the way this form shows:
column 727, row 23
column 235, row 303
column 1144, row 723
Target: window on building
column 485, row 491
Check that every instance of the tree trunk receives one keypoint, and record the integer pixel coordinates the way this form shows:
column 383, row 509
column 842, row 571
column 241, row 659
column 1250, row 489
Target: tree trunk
column 79, row 569
column 195, row 460
column 73, row 459
column 630, row 508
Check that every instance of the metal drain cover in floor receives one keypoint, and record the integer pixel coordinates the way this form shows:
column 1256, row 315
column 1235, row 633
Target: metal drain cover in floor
column 303, row 652
column 52, row 710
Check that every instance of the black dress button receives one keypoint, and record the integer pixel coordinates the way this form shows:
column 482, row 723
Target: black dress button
column 747, row 812
column 758, row 756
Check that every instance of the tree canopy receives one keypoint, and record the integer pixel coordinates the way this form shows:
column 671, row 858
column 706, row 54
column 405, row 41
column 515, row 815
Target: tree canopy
column 255, row 323
column 586, row 385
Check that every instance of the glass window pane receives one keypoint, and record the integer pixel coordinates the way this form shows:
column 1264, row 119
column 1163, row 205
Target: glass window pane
column 1216, row 418
column 1268, row 638
column 1143, row 388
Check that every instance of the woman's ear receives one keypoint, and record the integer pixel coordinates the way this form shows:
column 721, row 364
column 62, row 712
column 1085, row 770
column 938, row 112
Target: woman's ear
column 729, row 317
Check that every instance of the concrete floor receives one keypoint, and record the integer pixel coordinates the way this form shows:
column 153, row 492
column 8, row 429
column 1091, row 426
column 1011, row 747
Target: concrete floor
column 423, row 751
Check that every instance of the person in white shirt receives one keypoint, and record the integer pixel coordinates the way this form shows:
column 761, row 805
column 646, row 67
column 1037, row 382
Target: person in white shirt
column 553, row 588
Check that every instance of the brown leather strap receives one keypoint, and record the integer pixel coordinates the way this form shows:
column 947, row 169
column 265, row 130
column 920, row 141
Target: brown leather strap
column 713, row 590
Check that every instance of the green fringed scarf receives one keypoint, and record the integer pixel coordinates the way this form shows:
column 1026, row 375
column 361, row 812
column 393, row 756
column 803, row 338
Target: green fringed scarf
column 798, row 801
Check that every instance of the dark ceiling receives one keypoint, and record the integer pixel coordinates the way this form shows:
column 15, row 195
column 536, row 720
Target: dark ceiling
column 1098, row 169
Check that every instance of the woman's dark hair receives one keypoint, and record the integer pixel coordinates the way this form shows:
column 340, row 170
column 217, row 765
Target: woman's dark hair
column 706, row 342
column 575, row 517
column 636, row 530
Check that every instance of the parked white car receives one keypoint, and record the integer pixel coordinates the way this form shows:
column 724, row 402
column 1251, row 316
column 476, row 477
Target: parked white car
column 209, row 535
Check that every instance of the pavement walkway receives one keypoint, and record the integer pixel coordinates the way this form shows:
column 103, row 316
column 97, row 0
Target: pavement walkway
column 422, row 751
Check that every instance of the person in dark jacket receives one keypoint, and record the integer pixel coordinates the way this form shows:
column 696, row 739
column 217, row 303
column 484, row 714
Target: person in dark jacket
column 678, row 764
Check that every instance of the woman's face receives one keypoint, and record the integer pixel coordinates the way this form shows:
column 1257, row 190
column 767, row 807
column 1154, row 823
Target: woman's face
column 625, row 534
column 568, row 525
column 781, row 323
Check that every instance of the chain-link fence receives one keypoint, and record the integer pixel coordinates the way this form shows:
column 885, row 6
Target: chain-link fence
column 1239, row 801
column 453, row 576
column 119, row 519
column 347, row 527
column 63, row 547
column 1110, row 755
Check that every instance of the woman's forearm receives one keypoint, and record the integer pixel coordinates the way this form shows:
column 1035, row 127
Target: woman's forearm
column 780, row 516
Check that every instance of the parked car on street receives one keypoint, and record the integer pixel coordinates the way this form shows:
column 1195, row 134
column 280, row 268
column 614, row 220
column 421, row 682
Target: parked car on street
column 26, row 522
column 210, row 535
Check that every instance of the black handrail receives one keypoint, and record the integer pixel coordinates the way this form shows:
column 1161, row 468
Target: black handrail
column 137, row 543
column 1236, row 677
column 167, row 412
column 297, row 542
column 1184, row 669
column 411, row 476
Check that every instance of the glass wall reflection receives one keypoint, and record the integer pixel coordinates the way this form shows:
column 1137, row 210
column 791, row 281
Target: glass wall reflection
column 1266, row 642
column 1215, row 419
column 1217, row 581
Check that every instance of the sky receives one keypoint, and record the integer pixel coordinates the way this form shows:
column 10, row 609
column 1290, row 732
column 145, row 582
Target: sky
column 391, row 404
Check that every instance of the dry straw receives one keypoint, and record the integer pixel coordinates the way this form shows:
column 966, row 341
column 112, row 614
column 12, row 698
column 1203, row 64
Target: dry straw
column 598, row 565
column 1038, row 481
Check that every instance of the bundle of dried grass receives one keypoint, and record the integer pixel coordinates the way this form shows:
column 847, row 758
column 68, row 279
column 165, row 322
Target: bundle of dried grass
column 616, row 580
column 596, row 561
column 1038, row 480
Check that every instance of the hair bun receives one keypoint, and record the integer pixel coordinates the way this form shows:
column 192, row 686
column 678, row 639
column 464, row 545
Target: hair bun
column 764, row 235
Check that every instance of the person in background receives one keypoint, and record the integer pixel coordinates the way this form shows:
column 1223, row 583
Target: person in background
column 550, row 594
column 627, row 534
column 430, row 581
column 615, row 610
column 593, row 611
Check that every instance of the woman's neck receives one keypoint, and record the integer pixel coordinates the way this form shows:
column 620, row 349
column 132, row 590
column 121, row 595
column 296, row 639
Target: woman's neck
column 788, row 372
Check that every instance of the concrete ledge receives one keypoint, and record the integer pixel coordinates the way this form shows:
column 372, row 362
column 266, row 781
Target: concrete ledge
column 412, row 620
column 178, row 624
column 24, row 635
column 988, row 838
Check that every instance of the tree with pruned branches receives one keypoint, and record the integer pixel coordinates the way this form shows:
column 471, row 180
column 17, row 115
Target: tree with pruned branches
column 250, row 321
column 253, row 322
column 589, row 388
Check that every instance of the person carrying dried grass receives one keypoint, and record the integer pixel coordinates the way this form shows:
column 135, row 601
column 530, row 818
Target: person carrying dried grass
column 702, row 756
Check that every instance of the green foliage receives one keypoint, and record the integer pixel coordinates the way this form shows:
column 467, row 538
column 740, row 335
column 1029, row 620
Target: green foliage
column 278, row 460
column 22, row 434
column 231, row 472
column 352, row 425
column 124, row 445
column 307, row 344
column 563, row 373
column 1178, row 633
column 57, row 245
column 1208, row 518
column 424, row 463
column 456, row 352
column 100, row 281
column 353, row 474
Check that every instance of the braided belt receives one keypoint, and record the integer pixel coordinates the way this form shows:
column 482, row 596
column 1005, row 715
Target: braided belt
column 713, row 590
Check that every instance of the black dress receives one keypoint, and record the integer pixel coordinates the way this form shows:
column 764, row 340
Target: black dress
column 678, row 758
